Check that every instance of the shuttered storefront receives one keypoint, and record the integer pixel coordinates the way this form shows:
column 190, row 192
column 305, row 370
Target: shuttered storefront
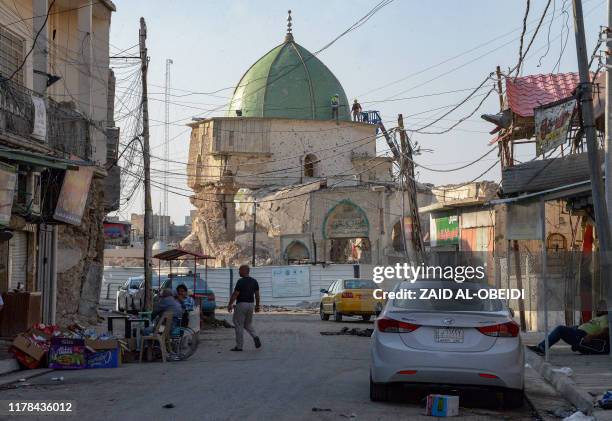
column 18, row 259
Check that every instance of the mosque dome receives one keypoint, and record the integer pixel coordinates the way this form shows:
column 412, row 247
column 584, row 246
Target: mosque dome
column 288, row 82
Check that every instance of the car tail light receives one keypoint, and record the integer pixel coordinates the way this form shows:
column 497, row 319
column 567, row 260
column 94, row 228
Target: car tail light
column 395, row 326
column 347, row 295
column 487, row 376
column 505, row 330
column 407, row 372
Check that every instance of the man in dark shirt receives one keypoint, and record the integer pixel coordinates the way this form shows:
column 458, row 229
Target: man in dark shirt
column 245, row 293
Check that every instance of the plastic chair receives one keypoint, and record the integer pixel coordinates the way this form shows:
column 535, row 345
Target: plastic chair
column 161, row 333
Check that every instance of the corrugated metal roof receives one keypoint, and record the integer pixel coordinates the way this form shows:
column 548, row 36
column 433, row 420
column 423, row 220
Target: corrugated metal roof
column 174, row 254
column 528, row 92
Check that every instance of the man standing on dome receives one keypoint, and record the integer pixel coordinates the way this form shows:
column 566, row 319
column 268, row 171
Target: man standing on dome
column 356, row 109
column 335, row 102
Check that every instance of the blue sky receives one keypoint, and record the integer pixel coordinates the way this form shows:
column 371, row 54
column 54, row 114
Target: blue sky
column 213, row 43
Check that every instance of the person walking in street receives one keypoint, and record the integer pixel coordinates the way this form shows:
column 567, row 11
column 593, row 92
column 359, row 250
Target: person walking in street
column 356, row 110
column 246, row 297
column 335, row 103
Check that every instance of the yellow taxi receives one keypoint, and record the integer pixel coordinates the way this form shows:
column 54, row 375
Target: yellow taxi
column 350, row 297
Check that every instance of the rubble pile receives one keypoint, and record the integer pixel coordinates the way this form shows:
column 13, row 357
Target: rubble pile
column 354, row 331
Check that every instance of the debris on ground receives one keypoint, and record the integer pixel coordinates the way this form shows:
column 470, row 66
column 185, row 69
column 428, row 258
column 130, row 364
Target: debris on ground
column 354, row 331
column 315, row 409
column 212, row 322
column 606, row 400
column 579, row 416
column 564, row 370
column 168, row 406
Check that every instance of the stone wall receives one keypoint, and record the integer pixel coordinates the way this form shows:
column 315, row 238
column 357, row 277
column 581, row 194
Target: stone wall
column 80, row 255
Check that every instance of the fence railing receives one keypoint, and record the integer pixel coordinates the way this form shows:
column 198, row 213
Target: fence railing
column 66, row 130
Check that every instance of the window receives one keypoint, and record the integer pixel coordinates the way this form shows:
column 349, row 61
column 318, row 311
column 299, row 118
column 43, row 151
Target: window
column 359, row 284
column 11, row 54
column 230, row 140
column 310, row 165
column 556, row 242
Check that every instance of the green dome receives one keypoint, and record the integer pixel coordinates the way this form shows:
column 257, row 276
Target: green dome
column 288, row 82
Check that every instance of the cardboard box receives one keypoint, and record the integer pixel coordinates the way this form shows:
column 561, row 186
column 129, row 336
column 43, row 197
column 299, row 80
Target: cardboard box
column 28, row 347
column 67, row 353
column 442, row 405
column 101, row 344
column 108, row 358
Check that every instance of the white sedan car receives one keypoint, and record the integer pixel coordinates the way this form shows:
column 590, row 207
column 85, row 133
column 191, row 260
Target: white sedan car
column 447, row 342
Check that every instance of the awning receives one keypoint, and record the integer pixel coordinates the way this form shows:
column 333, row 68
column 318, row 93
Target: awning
column 41, row 160
column 580, row 188
column 175, row 254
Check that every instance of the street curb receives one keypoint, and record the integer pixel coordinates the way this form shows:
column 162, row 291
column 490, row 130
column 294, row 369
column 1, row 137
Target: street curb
column 562, row 383
column 8, row 366
column 23, row 374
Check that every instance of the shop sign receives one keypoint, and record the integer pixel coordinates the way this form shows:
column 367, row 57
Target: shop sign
column 346, row 220
column 117, row 234
column 444, row 230
column 8, row 181
column 73, row 196
column 552, row 122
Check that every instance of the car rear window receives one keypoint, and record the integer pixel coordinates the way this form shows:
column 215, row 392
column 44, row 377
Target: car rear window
column 359, row 284
column 440, row 304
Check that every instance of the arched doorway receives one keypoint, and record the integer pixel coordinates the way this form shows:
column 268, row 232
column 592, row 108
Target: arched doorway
column 347, row 227
column 297, row 252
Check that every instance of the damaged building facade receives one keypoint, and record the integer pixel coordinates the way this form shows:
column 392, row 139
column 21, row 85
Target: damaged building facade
column 58, row 145
column 280, row 179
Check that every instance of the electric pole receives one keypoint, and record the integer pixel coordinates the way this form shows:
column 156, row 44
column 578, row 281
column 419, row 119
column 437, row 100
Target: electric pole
column 588, row 123
column 608, row 143
column 254, row 230
column 165, row 233
column 407, row 172
column 148, row 207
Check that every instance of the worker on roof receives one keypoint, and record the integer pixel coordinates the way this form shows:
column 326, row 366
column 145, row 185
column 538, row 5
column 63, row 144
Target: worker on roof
column 356, row 110
column 335, row 102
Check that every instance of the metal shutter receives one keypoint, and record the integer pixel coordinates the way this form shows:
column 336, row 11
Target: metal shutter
column 18, row 259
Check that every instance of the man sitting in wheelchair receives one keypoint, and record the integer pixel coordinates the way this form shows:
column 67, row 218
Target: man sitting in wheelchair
column 186, row 302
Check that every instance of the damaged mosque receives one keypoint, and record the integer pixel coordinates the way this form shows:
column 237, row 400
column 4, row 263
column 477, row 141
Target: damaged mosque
column 281, row 177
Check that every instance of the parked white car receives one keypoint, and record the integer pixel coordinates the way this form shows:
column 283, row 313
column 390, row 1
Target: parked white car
column 469, row 342
column 128, row 295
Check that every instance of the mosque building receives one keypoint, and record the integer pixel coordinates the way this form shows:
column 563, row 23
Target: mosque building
column 322, row 192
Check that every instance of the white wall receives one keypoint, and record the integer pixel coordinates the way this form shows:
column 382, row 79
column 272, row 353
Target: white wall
column 219, row 282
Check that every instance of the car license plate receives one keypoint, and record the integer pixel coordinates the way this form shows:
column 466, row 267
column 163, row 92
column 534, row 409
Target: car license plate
column 451, row 335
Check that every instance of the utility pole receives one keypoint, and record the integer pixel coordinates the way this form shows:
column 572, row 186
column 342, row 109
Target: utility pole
column 165, row 233
column 254, row 230
column 608, row 143
column 148, row 207
column 588, row 123
column 407, row 172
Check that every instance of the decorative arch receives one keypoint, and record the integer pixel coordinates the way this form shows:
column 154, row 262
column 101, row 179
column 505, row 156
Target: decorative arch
column 346, row 220
column 296, row 251
column 556, row 241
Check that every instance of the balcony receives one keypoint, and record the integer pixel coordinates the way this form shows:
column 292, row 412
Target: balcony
column 65, row 131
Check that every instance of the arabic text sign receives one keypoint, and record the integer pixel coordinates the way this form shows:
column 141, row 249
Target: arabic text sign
column 346, row 220
column 552, row 123
column 444, row 230
column 291, row 282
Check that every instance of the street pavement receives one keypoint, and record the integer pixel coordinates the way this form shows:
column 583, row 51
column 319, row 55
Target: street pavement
column 298, row 374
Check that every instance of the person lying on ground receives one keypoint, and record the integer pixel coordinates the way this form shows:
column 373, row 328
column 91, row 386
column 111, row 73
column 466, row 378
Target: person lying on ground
column 596, row 328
